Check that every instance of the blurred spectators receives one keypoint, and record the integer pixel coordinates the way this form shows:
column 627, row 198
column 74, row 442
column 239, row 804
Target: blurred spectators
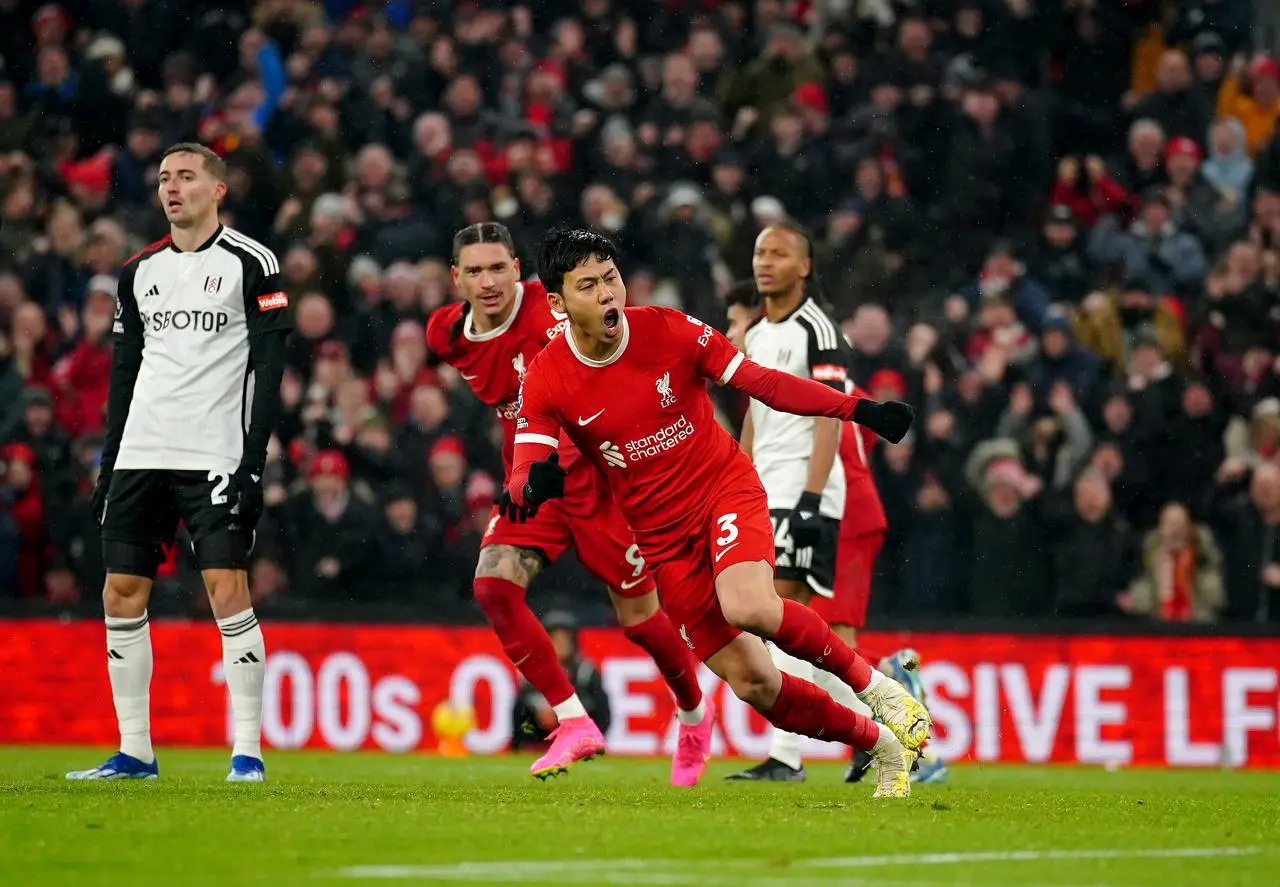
column 1054, row 225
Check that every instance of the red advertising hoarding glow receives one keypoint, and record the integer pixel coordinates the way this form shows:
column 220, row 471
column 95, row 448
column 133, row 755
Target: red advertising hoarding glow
column 994, row 697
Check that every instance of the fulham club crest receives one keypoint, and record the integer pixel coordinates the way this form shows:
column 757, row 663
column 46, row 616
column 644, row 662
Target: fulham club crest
column 212, row 285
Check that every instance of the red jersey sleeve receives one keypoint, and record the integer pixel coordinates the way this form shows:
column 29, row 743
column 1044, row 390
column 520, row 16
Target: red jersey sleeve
column 716, row 358
column 440, row 328
column 537, row 428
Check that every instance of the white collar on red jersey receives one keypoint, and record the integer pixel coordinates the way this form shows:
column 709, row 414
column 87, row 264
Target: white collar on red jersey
column 622, row 346
column 469, row 328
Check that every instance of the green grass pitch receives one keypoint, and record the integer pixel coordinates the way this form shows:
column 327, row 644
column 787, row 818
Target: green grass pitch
column 346, row 820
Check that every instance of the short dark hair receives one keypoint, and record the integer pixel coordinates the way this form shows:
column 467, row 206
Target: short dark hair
column 213, row 164
column 743, row 293
column 483, row 232
column 480, row 232
column 564, row 249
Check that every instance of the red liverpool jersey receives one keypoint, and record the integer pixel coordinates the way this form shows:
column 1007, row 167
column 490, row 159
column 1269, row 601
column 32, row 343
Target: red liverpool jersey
column 643, row 418
column 863, row 512
column 493, row 363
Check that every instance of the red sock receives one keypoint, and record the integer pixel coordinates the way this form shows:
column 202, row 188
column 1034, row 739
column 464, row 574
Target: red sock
column 806, row 709
column 659, row 638
column 523, row 638
column 805, row 636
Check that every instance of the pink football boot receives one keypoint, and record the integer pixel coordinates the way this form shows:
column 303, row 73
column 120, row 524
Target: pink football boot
column 576, row 739
column 693, row 750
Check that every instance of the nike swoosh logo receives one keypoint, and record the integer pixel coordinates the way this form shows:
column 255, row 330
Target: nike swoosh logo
column 727, row 549
column 590, row 419
column 468, row 378
column 632, row 584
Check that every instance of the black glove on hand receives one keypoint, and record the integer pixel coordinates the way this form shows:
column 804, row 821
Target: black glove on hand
column 513, row 512
column 890, row 419
column 99, row 501
column 247, row 488
column 806, row 523
column 546, row 481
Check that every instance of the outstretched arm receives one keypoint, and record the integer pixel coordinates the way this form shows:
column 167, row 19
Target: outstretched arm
column 787, row 393
column 719, row 361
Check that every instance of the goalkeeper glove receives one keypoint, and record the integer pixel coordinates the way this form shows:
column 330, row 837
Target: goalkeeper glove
column 890, row 419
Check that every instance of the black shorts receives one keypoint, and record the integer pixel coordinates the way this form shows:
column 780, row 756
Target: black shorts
column 144, row 508
column 815, row 566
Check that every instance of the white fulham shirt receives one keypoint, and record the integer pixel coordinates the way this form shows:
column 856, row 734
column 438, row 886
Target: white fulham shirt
column 808, row 344
column 192, row 314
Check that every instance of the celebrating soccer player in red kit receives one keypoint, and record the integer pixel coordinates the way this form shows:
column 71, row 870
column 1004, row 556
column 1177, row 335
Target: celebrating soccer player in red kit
column 628, row 387
column 490, row 339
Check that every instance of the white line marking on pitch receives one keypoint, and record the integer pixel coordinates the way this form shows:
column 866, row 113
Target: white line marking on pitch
column 1025, row 856
column 712, row 872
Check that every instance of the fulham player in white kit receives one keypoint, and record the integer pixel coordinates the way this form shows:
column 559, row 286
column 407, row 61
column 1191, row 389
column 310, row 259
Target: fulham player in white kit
column 200, row 329
column 796, row 457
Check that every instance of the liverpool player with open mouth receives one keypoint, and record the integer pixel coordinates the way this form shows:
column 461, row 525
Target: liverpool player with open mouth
column 692, row 497
column 490, row 338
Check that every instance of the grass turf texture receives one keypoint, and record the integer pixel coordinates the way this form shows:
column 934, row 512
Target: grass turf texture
column 328, row 819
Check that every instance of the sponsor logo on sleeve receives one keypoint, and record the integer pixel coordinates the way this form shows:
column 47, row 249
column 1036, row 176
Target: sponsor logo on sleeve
column 272, row 301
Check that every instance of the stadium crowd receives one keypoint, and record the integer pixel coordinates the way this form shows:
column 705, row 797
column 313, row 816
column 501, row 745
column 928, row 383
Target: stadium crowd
column 1053, row 225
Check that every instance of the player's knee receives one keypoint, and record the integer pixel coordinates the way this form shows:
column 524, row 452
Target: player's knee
column 633, row 611
column 508, row 564
column 125, row 595
column 793, row 590
column 750, row 606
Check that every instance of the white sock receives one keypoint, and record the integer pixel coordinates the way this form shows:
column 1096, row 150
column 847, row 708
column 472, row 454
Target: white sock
column 784, row 746
column 876, row 678
column 244, row 662
column 570, row 708
column 885, row 740
column 129, row 666
column 840, row 692
column 694, row 717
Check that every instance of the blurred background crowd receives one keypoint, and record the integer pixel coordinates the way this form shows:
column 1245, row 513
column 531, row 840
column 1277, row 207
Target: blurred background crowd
column 1053, row 225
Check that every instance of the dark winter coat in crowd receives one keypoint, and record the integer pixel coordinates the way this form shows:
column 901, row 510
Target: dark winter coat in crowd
column 78, row 545
column 1009, row 577
column 1185, row 456
column 329, row 559
column 1092, row 561
column 924, row 552
column 985, row 188
column 1080, row 369
column 1249, row 544
column 9, row 547
column 402, row 554
column 1183, row 113
column 1067, row 272
column 1009, row 553
column 1170, row 260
